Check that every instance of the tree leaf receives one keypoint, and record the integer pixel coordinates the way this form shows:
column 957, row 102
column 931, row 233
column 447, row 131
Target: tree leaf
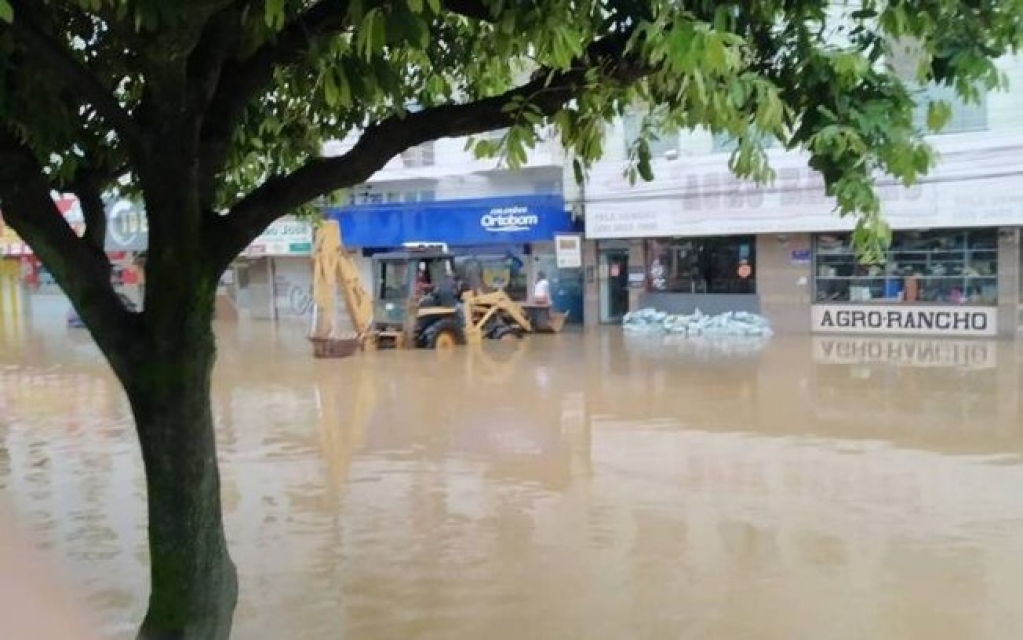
column 578, row 172
column 6, row 12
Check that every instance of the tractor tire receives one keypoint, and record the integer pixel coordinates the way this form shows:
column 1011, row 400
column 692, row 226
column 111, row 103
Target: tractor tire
column 505, row 332
column 443, row 334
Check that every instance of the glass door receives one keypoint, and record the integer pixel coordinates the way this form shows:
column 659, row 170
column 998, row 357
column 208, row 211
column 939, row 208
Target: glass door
column 614, row 285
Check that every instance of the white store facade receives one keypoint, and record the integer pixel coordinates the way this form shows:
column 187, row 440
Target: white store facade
column 698, row 237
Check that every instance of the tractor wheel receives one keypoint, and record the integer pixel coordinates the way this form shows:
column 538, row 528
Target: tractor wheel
column 443, row 334
column 505, row 333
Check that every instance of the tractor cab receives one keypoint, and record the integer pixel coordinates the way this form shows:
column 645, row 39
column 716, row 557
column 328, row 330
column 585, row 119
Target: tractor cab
column 414, row 291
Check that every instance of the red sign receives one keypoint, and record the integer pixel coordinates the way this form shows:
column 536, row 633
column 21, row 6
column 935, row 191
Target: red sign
column 744, row 271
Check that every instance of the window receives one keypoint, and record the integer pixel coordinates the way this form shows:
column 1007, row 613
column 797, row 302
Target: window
column 702, row 265
column 547, row 187
column 724, row 142
column 666, row 141
column 965, row 116
column 953, row 266
column 418, row 156
column 904, row 57
column 423, row 195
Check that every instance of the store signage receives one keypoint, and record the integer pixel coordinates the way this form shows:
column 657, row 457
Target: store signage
column 800, row 257
column 701, row 197
column 905, row 320
column 462, row 222
column 284, row 237
column 568, row 250
column 127, row 227
column 509, row 220
column 906, row 352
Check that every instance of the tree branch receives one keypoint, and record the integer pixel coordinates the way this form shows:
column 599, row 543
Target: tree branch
column 79, row 270
column 243, row 78
column 475, row 9
column 90, row 197
column 75, row 76
column 379, row 143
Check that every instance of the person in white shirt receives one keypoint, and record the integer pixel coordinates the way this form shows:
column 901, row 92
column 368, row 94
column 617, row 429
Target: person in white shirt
column 542, row 289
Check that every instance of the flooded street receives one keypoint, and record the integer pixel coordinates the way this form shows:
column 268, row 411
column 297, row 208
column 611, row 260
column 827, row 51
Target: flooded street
column 593, row 486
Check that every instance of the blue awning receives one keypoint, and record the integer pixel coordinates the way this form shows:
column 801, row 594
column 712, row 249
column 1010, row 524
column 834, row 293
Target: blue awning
column 476, row 221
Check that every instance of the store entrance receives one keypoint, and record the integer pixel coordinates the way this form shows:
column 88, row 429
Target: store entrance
column 614, row 285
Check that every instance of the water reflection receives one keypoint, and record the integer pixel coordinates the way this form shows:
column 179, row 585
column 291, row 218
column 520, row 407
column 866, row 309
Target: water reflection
column 565, row 486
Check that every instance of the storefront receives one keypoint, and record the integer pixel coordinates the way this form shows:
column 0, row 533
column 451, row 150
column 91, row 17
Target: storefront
column 273, row 278
column 511, row 238
column 942, row 281
column 699, row 238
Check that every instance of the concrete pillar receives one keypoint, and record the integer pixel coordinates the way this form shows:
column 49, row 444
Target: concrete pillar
column 637, row 258
column 591, row 285
column 784, row 282
column 1009, row 267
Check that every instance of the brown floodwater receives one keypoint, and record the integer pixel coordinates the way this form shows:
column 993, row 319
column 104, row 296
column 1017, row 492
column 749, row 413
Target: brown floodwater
column 577, row 486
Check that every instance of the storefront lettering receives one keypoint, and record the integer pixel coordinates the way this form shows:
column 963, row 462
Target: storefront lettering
column 931, row 320
column 287, row 230
column 794, row 186
column 509, row 220
column 936, row 320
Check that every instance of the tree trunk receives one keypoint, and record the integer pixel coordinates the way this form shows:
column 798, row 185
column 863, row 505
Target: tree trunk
column 194, row 585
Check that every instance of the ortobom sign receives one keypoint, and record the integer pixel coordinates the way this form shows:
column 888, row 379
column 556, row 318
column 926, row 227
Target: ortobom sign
column 509, row 220
column 461, row 222
column 905, row 320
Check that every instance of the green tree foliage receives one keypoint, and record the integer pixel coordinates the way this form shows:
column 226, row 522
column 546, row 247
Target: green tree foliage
column 213, row 112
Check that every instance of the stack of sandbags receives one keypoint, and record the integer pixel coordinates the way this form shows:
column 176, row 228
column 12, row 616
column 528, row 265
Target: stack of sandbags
column 730, row 323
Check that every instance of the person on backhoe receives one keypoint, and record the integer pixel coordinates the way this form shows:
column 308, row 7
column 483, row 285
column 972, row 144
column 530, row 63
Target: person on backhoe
column 447, row 293
column 542, row 289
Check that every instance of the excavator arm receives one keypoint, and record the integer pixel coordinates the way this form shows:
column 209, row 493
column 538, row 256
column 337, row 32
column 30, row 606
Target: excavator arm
column 334, row 271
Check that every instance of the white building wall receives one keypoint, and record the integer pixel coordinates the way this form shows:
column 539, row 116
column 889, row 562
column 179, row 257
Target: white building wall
column 456, row 173
column 1004, row 116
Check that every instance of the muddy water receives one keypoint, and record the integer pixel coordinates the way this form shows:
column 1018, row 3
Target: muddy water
column 577, row 487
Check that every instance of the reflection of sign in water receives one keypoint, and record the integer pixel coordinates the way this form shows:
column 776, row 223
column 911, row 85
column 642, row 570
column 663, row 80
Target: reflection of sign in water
column 905, row 320
column 906, row 353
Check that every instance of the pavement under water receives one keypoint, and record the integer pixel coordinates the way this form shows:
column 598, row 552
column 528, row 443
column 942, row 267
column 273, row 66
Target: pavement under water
column 573, row 486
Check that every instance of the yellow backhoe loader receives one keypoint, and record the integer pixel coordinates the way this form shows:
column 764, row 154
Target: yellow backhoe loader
column 420, row 301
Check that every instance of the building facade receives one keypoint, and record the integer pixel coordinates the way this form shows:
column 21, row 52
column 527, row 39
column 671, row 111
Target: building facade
column 697, row 237
column 505, row 220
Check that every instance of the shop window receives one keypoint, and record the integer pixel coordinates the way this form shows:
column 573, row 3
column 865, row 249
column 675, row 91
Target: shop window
column 947, row 266
column 702, row 265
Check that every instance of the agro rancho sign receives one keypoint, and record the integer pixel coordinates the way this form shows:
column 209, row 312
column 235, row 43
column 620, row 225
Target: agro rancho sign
column 905, row 320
